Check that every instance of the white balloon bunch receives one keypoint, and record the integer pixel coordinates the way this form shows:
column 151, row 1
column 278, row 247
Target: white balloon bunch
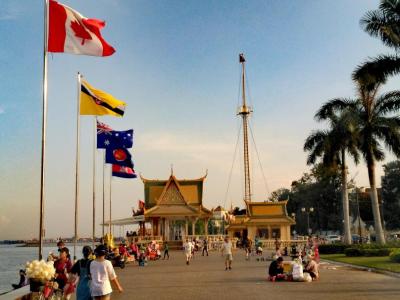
column 40, row 270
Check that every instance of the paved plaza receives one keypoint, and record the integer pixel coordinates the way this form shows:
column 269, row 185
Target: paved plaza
column 206, row 278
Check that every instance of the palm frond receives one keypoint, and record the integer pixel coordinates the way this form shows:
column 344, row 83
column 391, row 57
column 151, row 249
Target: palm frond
column 376, row 71
column 387, row 103
column 330, row 108
column 384, row 23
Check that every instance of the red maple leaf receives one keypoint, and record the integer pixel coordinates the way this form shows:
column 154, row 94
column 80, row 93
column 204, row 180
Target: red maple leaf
column 80, row 31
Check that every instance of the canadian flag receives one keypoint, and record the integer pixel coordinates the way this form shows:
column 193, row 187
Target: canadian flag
column 71, row 32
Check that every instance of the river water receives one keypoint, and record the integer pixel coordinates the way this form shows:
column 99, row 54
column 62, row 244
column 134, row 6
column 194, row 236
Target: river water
column 14, row 258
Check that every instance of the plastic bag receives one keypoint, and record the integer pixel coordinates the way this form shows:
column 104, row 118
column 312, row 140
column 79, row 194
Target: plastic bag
column 307, row 277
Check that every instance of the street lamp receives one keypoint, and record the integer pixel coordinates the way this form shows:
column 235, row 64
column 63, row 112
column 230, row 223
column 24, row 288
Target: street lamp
column 308, row 211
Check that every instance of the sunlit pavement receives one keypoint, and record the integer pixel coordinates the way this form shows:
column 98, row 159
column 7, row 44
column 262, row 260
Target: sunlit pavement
column 206, row 278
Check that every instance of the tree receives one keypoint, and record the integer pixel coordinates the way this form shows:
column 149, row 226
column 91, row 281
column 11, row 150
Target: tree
column 373, row 117
column 383, row 23
column 331, row 146
column 391, row 194
column 279, row 195
column 320, row 189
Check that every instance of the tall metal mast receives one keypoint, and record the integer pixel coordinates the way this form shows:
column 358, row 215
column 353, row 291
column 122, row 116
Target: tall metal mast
column 245, row 111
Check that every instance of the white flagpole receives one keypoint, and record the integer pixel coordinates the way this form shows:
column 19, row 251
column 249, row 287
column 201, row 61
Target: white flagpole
column 109, row 227
column 44, row 125
column 94, row 181
column 77, row 164
column 104, row 164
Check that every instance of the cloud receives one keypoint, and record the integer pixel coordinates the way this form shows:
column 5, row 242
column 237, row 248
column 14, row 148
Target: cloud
column 2, row 111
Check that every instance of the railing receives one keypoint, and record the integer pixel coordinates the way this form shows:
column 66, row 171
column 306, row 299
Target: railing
column 214, row 241
column 271, row 244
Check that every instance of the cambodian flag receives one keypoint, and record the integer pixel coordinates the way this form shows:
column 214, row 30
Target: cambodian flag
column 124, row 172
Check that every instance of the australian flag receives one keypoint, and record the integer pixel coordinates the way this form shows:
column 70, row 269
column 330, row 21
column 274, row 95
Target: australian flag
column 124, row 172
column 112, row 139
column 119, row 156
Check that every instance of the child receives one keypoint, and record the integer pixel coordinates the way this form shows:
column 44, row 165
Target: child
column 102, row 274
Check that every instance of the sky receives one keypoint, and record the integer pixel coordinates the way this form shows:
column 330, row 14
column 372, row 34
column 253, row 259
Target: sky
column 176, row 66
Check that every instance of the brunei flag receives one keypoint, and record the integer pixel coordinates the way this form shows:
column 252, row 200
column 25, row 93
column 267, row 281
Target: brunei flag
column 96, row 102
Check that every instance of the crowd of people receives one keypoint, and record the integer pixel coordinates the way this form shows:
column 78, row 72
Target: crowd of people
column 93, row 275
column 303, row 267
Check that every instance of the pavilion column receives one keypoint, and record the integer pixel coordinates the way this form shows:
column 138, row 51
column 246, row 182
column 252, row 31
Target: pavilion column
column 206, row 227
column 269, row 232
column 194, row 220
column 159, row 223
column 186, row 227
column 166, row 230
column 152, row 226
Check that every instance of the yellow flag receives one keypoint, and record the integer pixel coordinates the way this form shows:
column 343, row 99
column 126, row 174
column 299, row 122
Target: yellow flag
column 98, row 103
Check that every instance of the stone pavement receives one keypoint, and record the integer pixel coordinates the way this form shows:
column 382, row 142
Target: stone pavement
column 206, row 278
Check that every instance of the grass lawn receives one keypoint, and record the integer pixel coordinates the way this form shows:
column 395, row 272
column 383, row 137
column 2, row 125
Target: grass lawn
column 382, row 263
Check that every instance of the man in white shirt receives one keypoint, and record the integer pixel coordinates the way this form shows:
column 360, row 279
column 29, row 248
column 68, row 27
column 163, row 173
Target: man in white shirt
column 227, row 252
column 187, row 248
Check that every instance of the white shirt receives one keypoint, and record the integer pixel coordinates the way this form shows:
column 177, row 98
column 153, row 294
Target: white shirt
column 227, row 248
column 188, row 247
column 101, row 273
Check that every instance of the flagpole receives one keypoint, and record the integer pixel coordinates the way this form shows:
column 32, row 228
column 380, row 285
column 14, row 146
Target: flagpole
column 77, row 163
column 104, row 163
column 94, row 180
column 109, row 225
column 44, row 125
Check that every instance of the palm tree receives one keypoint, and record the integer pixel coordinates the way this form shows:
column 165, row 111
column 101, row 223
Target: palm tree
column 385, row 24
column 331, row 146
column 376, row 124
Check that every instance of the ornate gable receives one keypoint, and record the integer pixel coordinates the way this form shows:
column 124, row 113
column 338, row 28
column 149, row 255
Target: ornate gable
column 171, row 195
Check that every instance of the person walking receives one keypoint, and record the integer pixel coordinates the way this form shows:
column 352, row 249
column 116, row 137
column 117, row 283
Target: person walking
column 187, row 248
column 166, row 249
column 81, row 268
column 227, row 252
column 102, row 274
column 205, row 246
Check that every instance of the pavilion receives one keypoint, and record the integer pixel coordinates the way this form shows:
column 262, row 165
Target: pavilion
column 174, row 207
column 265, row 220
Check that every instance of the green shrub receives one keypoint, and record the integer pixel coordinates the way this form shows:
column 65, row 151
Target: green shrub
column 391, row 244
column 377, row 252
column 395, row 256
column 351, row 252
column 332, row 248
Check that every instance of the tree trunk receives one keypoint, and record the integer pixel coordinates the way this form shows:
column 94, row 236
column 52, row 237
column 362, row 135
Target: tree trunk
column 345, row 202
column 380, row 236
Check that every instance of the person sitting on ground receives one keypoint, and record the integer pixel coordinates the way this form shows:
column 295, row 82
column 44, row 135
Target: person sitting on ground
column 275, row 270
column 312, row 268
column 23, row 280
